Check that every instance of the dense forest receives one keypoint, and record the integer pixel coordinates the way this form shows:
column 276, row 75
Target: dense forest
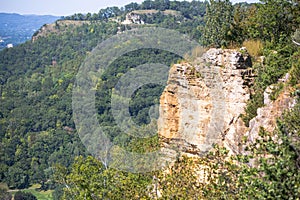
column 39, row 142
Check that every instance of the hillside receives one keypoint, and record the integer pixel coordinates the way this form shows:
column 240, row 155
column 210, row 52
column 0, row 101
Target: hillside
column 37, row 77
column 89, row 69
column 16, row 29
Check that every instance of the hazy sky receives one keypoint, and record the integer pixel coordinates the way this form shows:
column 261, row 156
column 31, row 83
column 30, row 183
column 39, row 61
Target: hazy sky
column 63, row 7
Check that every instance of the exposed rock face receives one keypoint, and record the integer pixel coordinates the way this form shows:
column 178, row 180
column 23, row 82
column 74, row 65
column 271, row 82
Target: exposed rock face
column 202, row 104
column 267, row 115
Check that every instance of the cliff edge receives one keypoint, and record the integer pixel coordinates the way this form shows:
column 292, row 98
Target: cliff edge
column 203, row 102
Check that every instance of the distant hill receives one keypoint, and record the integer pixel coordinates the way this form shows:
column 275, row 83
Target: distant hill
column 16, row 28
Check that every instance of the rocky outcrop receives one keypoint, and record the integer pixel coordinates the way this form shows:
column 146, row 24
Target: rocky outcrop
column 267, row 115
column 202, row 104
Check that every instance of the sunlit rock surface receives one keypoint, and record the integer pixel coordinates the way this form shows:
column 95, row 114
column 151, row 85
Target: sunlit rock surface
column 203, row 102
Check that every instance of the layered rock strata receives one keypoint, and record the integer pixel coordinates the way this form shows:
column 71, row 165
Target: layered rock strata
column 203, row 102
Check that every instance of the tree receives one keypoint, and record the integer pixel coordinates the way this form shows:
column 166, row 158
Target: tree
column 147, row 5
column 178, row 181
column 17, row 177
column 131, row 7
column 89, row 179
column 88, row 16
column 218, row 23
column 274, row 19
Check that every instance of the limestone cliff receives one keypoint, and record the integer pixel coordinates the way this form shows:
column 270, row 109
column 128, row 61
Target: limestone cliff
column 202, row 104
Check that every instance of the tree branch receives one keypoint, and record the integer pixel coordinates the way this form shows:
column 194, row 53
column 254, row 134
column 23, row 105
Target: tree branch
column 296, row 42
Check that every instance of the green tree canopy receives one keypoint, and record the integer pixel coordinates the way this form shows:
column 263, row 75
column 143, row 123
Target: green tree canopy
column 218, row 19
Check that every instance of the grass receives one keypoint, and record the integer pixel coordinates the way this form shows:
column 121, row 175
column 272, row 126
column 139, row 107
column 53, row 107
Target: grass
column 254, row 47
column 3, row 186
column 197, row 52
column 40, row 195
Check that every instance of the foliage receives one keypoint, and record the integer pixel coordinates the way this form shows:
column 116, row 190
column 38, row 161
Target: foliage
column 222, row 175
column 89, row 179
column 39, row 193
column 179, row 181
column 58, row 192
column 24, row 196
column 4, row 194
column 36, row 128
column 218, row 20
column 188, row 10
column 256, row 101
column 273, row 20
